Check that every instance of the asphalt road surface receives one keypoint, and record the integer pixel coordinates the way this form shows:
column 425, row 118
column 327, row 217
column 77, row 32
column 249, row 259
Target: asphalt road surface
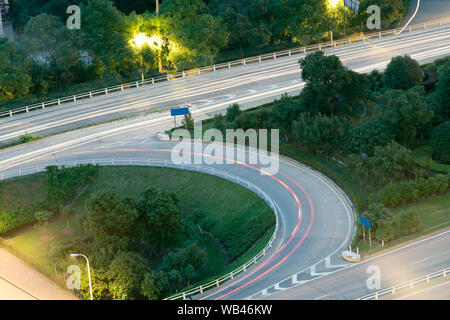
column 400, row 265
column 212, row 93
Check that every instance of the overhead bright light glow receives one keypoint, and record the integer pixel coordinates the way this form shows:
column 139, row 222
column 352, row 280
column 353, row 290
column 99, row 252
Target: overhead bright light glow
column 140, row 40
column 333, row 3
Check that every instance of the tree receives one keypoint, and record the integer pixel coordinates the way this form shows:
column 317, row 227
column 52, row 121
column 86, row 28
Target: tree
column 245, row 31
column 48, row 42
column 126, row 275
column 161, row 215
column 109, row 215
column 324, row 77
column 43, row 217
column 440, row 142
column 409, row 222
column 322, row 134
column 106, row 39
column 187, row 121
column 149, row 286
column 369, row 135
column 67, row 212
column 403, row 112
column 443, row 90
column 403, row 73
column 199, row 34
column 14, row 80
column 233, row 111
column 385, row 230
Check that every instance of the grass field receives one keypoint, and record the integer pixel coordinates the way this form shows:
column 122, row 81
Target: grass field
column 230, row 204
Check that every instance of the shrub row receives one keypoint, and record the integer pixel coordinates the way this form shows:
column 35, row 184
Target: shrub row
column 405, row 192
column 242, row 238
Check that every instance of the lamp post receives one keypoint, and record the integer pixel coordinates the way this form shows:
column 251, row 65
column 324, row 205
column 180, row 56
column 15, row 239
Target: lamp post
column 89, row 270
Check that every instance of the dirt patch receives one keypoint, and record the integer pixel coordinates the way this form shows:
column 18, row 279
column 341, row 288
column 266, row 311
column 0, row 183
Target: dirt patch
column 46, row 238
column 68, row 231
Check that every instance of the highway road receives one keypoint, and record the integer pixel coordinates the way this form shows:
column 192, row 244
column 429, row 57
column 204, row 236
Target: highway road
column 430, row 10
column 315, row 221
column 397, row 266
column 212, row 93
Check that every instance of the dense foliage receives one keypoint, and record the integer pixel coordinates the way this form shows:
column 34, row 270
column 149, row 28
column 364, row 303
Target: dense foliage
column 52, row 60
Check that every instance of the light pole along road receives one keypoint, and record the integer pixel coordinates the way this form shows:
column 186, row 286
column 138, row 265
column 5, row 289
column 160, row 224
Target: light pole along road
column 213, row 92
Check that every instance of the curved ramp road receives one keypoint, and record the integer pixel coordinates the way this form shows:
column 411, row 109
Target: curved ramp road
column 211, row 93
column 315, row 221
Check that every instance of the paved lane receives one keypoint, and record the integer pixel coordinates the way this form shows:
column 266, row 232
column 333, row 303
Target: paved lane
column 211, row 93
column 400, row 265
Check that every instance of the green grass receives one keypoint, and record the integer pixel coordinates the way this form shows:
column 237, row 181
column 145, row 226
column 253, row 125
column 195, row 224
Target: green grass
column 434, row 214
column 21, row 192
column 424, row 153
column 230, row 204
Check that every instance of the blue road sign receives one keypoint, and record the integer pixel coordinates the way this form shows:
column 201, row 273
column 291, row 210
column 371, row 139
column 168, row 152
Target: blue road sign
column 364, row 222
column 179, row 112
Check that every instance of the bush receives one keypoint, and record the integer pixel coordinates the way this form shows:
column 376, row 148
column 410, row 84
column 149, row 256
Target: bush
column 440, row 142
column 406, row 192
column 9, row 221
column 409, row 222
column 403, row 73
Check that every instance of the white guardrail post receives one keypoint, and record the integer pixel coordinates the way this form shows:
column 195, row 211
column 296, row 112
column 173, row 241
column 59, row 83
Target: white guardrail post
column 405, row 285
column 213, row 68
column 164, row 163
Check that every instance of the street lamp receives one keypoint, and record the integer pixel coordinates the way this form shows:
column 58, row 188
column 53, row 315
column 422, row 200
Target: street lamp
column 155, row 42
column 89, row 270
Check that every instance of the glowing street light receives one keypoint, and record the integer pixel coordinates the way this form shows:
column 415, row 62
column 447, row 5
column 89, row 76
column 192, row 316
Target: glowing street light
column 155, row 42
column 89, row 270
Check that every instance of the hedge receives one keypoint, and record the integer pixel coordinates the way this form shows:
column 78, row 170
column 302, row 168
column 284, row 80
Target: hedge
column 10, row 221
column 406, row 192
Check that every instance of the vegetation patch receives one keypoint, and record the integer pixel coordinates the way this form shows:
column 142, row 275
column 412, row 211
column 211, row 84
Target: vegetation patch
column 147, row 231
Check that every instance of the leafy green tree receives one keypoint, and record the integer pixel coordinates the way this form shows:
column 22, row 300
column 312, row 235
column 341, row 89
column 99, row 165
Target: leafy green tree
column 199, row 34
column 14, row 80
column 440, row 142
column 403, row 73
column 67, row 212
column 105, row 34
column 443, row 90
column 46, row 39
column 43, row 217
column 149, row 286
column 245, row 31
column 403, row 112
column 369, row 135
column 385, row 230
column 126, row 275
column 187, row 121
column 409, row 222
column 109, row 215
column 160, row 212
column 233, row 111
column 322, row 134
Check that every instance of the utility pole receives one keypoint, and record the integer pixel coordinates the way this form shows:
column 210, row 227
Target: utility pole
column 345, row 14
column 159, row 51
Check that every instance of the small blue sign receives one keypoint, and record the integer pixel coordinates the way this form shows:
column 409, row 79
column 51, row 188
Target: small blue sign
column 364, row 222
column 179, row 112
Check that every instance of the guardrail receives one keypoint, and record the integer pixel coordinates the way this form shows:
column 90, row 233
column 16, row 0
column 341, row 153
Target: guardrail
column 406, row 285
column 227, row 65
column 166, row 163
